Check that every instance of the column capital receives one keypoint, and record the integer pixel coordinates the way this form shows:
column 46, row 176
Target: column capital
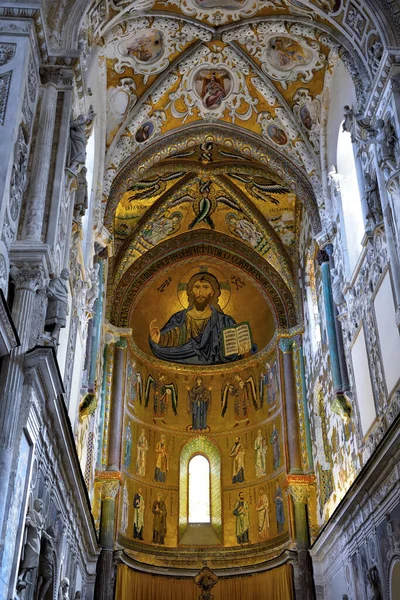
column 121, row 343
column 322, row 256
column 113, row 334
column 28, row 277
column 327, row 235
column 286, row 345
column 110, row 483
column 57, row 76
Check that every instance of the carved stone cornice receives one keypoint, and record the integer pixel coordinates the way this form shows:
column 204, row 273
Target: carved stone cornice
column 326, row 236
column 41, row 367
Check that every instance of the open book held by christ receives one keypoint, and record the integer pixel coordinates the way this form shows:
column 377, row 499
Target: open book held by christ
column 237, row 339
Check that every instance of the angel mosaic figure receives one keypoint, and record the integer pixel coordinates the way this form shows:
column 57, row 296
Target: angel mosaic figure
column 163, row 394
column 243, row 391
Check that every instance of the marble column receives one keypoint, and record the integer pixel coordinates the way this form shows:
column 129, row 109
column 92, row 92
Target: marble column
column 27, row 280
column 299, row 494
column 36, row 200
column 117, row 406
column 299, row 342
column 323, row 260
column 104, row 574
column 292, row 417
column 338, row 330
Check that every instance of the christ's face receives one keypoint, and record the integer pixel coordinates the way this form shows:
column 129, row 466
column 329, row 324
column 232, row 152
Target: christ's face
column 202, row 294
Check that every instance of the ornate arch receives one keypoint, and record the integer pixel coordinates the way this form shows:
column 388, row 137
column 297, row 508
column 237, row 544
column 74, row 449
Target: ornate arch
column 207, row 243
column 232, row 137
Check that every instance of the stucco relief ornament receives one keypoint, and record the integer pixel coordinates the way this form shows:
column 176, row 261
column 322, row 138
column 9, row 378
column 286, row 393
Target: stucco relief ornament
column 7, row 53
column 5, row 82
column 222, row 11
column 284, row 56
column 146, row 44
column 18, row 179
column 216, row 87
column 308, row 111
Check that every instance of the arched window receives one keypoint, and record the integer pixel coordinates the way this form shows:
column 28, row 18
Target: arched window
column 350, row 194
column 90, row 156
column 199, row 490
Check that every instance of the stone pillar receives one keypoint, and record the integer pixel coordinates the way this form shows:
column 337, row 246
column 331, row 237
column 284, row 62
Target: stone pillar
column 36, row 200
column 104, row 576
column 27, row 280
column 117, row 407
column 292, row 417
column 299, row 493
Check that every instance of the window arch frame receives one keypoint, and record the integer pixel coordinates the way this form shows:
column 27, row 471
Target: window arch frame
column 208, row 448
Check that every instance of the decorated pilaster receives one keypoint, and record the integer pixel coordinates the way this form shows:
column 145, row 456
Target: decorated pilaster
column 27, row 280
column 35, row 205
column 292, row 417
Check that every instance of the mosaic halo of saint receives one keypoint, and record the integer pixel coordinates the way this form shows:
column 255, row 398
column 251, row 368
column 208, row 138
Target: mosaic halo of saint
column 212, row 86
column 201, row 333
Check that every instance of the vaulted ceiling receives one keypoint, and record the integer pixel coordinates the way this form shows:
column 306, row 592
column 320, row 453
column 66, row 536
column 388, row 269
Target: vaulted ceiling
column 216, row 114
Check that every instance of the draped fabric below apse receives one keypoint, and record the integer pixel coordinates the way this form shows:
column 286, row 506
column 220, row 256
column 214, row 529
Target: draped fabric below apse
column 270, row 585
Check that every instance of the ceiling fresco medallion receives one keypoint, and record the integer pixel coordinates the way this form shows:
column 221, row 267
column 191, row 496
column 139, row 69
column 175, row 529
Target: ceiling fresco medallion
column 287, row 56
column 146, row 43
column 216, row 85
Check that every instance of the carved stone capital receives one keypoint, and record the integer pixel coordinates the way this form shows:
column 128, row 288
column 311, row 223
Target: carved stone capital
column 326, row 236
column 110, row 490
column 121, row 343
column 299, row 492
column 51, row 75
column 322, row 256
column 286, row 345
column 27, row 277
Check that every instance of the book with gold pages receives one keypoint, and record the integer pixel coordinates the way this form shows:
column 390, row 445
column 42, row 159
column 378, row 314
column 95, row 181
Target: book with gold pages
column 237, row 339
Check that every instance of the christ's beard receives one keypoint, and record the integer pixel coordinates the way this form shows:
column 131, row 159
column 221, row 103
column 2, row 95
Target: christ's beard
column 201, row 303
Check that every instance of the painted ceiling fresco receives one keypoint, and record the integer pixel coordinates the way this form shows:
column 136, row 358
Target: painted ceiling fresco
column 258, row 68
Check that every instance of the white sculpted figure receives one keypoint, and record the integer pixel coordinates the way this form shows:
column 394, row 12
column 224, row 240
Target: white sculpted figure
column 57, row 306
